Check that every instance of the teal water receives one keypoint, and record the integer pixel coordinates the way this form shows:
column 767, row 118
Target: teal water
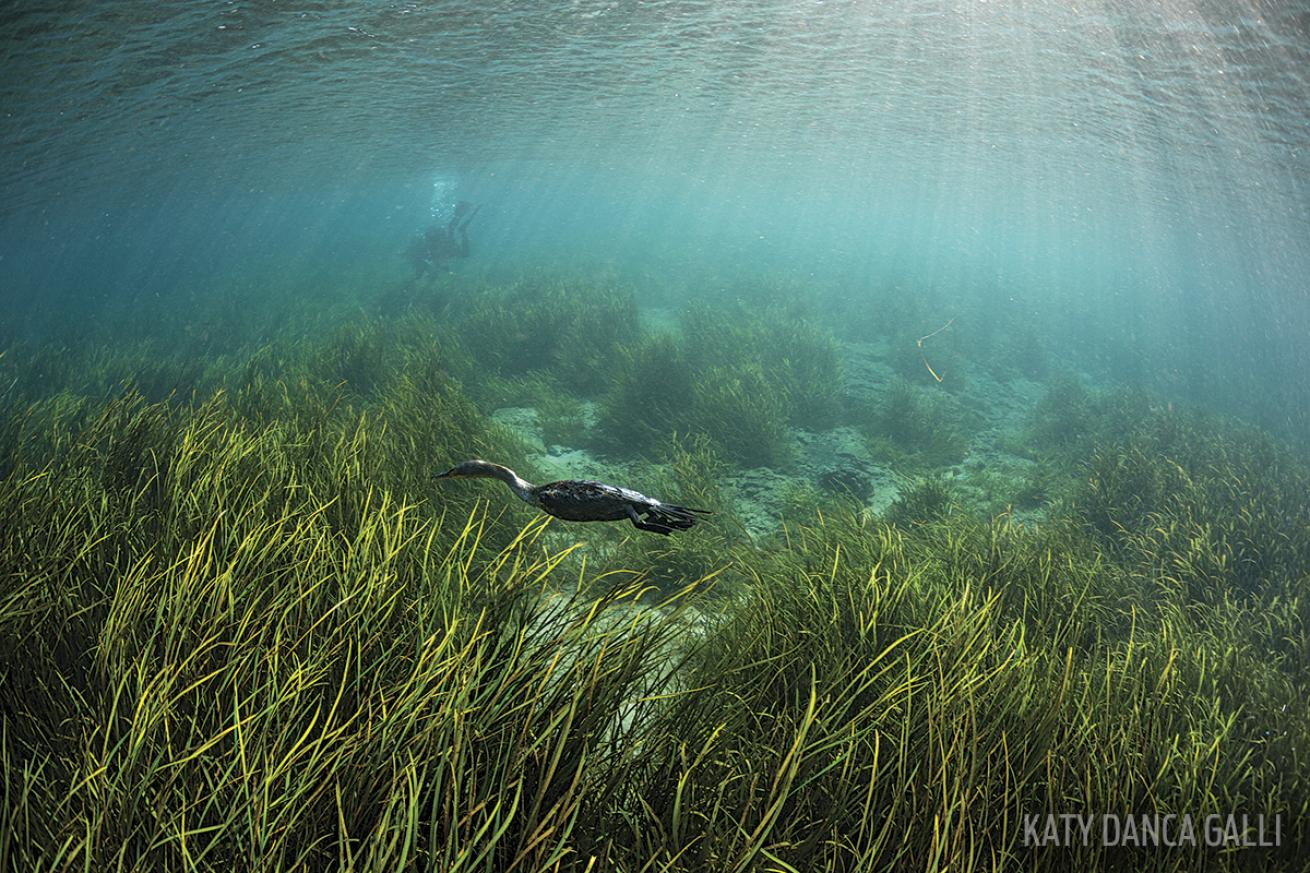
column 1130, row 182
column 976, row 332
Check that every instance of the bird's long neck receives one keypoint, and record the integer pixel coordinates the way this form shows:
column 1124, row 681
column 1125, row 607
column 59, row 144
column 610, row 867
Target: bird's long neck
column 521, row 488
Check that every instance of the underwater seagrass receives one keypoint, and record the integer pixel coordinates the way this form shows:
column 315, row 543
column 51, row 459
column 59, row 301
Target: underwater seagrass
column 1146, row 644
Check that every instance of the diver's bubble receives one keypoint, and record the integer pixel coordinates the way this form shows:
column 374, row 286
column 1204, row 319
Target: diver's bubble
column 442, row 206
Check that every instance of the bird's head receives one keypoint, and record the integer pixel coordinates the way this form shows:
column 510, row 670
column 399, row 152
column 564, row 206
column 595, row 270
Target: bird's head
column 465, row 470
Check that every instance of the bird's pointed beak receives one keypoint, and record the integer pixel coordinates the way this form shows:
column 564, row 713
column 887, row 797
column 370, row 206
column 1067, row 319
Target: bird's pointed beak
column 449, row 474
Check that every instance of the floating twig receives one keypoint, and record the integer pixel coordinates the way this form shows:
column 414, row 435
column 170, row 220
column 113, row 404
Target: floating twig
column 919, row 343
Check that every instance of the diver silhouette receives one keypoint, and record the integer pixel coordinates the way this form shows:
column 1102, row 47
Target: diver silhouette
column 437, row 246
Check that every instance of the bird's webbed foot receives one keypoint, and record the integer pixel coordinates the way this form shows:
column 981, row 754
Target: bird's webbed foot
column 652, row 526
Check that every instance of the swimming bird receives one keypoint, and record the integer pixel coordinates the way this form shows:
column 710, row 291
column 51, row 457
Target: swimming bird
column 585, row 500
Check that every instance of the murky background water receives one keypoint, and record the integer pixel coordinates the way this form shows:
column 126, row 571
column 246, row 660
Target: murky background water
column 1124, row 179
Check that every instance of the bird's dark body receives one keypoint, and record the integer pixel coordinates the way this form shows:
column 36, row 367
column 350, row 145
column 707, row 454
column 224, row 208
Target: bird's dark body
column 584, row 500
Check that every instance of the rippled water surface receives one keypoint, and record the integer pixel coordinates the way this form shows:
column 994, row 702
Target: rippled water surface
column 327, row 88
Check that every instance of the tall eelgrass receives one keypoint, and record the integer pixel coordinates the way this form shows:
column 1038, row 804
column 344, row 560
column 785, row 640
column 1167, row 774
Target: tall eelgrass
column 244, row 632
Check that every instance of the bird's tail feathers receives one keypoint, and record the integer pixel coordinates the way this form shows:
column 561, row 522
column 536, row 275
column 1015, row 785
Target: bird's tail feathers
column 677, row 517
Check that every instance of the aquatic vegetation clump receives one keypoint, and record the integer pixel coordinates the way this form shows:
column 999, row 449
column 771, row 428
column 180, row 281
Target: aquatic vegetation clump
column 1216, row 510
column 799, row 357
column 738, row 408
column 1043, row 482
column 926, row 500
column 914, row 428
column 355, row 355
column 29, row 373
column 657, row 395
column 689, row 472
column 364, row 355
column 575, row 331
column 1065, row 419
column 650, row 398
column 738, row 377
column 801, row 500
